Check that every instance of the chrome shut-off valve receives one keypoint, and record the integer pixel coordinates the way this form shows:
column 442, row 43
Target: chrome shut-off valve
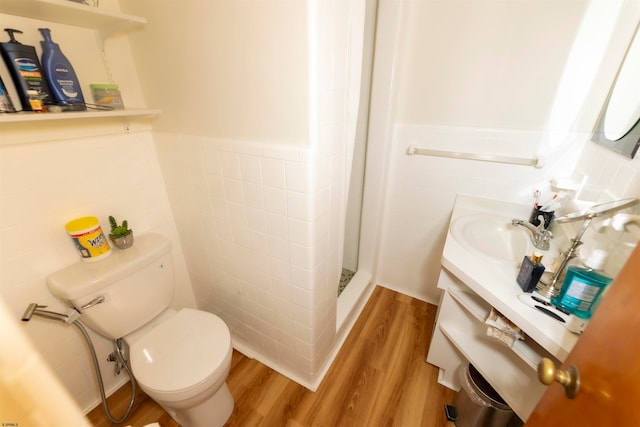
column 119, row 355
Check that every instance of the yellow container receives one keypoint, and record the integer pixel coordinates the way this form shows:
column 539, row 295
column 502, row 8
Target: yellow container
column 89, row 239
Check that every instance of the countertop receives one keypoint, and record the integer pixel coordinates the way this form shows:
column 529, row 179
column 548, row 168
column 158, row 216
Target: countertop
column 495, row 282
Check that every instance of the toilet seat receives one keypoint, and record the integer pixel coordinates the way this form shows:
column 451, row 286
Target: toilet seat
column 182, row 356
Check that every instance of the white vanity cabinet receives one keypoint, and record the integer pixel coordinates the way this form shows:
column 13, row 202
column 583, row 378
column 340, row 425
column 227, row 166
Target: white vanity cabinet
column 471, row 285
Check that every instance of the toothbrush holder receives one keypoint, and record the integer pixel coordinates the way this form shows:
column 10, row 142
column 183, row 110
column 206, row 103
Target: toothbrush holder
column 547, row 217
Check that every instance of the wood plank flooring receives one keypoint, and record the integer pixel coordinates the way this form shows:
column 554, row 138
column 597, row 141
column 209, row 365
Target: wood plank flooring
column 379, row 378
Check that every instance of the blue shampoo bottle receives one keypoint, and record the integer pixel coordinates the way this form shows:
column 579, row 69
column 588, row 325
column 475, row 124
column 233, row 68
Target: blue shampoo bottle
column 60, row 75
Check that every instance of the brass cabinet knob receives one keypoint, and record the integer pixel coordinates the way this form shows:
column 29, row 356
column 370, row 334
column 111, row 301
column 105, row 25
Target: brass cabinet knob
column 570, row 379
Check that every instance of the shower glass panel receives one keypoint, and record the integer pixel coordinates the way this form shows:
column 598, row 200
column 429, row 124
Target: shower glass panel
column 356, row 183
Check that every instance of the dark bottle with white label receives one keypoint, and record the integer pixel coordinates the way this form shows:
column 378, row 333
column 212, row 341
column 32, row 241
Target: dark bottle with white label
column 60, row 75
column 25, row 69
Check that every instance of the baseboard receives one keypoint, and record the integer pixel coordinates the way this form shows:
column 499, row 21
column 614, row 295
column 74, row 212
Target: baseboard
column 344, row 331
column 411, row 294
column 250, row 353
column 115, row 387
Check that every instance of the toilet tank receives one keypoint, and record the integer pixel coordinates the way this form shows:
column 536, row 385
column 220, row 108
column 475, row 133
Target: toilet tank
column 136, row 283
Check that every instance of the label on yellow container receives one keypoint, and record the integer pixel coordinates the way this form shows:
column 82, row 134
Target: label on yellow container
column 89, row 239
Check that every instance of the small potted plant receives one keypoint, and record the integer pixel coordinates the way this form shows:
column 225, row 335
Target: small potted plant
column 121, row 235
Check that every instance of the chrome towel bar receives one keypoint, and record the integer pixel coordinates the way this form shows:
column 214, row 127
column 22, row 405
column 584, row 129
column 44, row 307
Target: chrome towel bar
column 535, row 162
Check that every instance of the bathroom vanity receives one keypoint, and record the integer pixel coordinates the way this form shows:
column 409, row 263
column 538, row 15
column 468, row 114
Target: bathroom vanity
column 480, row 263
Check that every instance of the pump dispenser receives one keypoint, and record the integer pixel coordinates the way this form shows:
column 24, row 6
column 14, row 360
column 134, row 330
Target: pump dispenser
column 26, row 71
column 583, row 286
column 60, row 75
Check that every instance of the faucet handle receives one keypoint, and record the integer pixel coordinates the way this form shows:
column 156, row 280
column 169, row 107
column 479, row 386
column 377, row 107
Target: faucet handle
column 541, row 223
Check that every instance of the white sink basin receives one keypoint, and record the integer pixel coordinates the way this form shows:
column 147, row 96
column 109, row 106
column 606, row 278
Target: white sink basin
column 493, row 237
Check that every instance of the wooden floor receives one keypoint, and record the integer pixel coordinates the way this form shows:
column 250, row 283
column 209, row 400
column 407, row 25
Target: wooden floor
column 379, row 378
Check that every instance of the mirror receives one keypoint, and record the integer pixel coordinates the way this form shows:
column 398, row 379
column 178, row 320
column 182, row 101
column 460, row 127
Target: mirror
column 597, row 210
column 618, row 126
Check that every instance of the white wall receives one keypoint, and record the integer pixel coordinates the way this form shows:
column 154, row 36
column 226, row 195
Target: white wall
column 257, row 231
column 229, row 69
column 252, row 144
column 254, row 166
column 54, row 171
column 256, row 180
column 30, row 393
column 522, row 79
column 42, row 187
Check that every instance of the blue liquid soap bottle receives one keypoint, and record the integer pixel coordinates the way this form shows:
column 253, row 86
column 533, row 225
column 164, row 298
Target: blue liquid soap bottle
column 60, row 75
column 583, row 286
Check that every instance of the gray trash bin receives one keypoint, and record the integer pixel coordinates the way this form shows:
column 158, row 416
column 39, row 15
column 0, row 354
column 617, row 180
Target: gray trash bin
column 478, row 404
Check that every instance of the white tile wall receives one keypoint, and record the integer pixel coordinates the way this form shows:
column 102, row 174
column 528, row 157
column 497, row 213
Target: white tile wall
column 43, row 186
column 260, row 222
column 261, row 264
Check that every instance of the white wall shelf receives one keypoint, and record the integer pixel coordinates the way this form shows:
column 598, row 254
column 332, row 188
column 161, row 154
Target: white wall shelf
column 70, row 13
column 28, row 116
column 472, row 303
column 104, row 22
column 527, row 350
column 506, row 372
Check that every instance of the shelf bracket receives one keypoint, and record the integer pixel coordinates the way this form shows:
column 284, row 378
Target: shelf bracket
column 107, row 31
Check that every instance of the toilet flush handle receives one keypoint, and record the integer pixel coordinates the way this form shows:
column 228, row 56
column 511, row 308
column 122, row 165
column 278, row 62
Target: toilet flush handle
column 95, row 301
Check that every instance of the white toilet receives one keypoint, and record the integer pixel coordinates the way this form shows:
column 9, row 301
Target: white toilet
column 181, row 359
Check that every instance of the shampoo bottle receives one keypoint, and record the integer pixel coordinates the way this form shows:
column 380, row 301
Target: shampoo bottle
column 60, row 75
column 6, row 106
column 26, row 72
column 582, row 286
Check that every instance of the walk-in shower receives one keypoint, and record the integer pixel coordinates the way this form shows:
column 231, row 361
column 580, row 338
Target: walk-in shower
column 358, row 157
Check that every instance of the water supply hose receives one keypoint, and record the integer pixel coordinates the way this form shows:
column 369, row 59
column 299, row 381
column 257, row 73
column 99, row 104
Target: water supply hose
column 121, row 360
column 35, row 309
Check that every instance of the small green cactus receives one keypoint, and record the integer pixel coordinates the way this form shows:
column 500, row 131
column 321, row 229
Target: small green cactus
column 118, row 230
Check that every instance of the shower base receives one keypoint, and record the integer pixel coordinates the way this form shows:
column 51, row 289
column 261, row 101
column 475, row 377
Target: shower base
column 345, row 278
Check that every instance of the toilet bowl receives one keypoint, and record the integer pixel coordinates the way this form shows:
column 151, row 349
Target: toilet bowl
column 180, row 359
column 183, row 363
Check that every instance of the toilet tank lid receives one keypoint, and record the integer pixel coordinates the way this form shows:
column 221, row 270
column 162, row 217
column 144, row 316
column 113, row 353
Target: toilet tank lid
column 81, row 278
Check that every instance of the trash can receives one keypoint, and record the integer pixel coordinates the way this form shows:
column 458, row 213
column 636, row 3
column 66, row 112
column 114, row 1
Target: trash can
column 478, row 404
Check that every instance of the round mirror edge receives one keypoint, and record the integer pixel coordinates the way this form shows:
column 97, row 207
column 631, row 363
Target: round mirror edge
column 628, row 144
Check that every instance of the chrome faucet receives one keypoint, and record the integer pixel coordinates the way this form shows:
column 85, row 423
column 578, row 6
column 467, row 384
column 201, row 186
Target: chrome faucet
column 539, row 236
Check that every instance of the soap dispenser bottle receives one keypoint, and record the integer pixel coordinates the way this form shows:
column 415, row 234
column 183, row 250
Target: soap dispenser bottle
column 60, row 75
column 583, row 285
